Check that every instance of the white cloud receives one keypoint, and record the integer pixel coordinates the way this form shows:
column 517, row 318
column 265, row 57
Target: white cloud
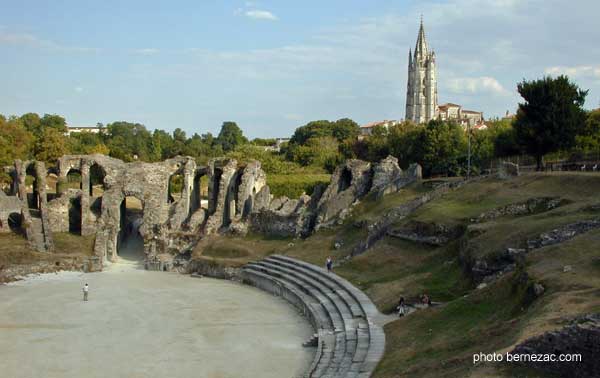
column 147, row 51
column 79, row 89
column 584, row 71
column 31, row 40
column 260, row 15
column 474, row 85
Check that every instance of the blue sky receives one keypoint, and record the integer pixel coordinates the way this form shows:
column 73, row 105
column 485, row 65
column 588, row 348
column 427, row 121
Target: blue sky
column 272, row 66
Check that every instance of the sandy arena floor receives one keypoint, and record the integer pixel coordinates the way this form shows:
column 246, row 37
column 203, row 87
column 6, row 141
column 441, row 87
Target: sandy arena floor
column 147, row 324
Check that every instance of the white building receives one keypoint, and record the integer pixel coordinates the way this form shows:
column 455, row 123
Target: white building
column 367, row 129
column 454, row 112
column 84, row 129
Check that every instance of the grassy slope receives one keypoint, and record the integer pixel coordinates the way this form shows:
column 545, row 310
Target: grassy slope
column 440, row 342
column 15, row 250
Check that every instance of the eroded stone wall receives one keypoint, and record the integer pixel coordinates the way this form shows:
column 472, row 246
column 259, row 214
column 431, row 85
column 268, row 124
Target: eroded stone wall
column 170, row 224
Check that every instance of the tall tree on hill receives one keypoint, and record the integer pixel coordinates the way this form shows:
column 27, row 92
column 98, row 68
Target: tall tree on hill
column 230, row 136
column 15, row 141
column 551, row 116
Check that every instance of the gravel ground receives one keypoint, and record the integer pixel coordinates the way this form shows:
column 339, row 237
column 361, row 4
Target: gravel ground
column 147, row 324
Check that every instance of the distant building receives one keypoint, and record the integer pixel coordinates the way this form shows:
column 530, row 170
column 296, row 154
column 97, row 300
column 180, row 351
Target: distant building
column 421, row 91
column 277, row 146
column 508, row 116
column 454, row 112
column 367, row 129
column 421, row 94
column 85, row 129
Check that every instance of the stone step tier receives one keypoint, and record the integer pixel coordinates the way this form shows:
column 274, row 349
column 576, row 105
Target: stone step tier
column 349, row 343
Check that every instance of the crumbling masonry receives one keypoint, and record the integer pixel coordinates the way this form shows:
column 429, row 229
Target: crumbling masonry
column 169, row 222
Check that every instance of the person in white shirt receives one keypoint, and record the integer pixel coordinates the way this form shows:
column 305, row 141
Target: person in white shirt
column 86, row 289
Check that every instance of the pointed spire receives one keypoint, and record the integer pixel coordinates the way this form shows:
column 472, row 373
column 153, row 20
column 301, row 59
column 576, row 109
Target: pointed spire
column 409, row 55
column 421, row 48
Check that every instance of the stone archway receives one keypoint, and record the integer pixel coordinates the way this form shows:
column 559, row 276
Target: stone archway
column 15, row 223
column 130, row 241
column 32, row 184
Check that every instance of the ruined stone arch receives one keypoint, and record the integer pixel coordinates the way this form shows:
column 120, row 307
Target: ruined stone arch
column 97, row 176
column 175, row 188
column 199, row 193
column 74, row 176
column 32, row 181
column 131, row 216
column 15, row 222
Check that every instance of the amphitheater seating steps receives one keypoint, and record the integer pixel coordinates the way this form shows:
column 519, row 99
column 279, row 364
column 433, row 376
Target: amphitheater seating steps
column 348, row 342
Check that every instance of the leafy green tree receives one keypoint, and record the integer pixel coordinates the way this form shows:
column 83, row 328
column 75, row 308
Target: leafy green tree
column 444, row 148
column 345, row 128
column 53, row 121
column 16, row 141
column 551, row 116
column 589, row 139
column 264, row 142
column 31, row 122
column 230, row 136
column 50, row 145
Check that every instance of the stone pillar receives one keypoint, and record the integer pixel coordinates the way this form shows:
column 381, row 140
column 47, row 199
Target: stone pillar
column 222, row 185
column 40, row 170
column 87, row 219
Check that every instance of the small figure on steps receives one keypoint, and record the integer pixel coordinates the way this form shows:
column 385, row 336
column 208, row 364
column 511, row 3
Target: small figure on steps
column 86, row 289
column 400, row 308
column 329, row 264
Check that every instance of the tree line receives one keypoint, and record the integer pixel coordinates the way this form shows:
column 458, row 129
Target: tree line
column 550, row 119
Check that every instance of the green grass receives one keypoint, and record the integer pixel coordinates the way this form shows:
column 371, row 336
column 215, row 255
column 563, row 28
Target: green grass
column 371, row 208
column 292, row 186
column 67, row 243
column 394, row 268
column 440, row 342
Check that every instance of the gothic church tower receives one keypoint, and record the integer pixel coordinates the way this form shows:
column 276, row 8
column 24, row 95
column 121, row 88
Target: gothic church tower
column 421, row 94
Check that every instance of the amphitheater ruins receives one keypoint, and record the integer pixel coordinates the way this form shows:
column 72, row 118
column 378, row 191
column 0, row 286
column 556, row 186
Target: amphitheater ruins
column 179, row 202
column 238, row 200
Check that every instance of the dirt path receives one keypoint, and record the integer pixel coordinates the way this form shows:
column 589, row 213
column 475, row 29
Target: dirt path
column 147, row 324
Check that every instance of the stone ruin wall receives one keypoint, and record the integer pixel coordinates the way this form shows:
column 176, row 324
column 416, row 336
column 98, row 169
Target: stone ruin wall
column 239, row 200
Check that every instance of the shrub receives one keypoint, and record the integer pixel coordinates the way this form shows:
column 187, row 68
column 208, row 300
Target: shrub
column 292, row 186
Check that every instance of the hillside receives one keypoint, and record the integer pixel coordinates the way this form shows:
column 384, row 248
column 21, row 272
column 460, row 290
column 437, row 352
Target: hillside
column 438, row 249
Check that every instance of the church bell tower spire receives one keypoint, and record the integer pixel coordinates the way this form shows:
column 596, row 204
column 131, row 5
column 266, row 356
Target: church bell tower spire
column 421, row 94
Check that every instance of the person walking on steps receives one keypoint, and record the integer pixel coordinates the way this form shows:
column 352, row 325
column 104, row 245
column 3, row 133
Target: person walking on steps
column 329, row 264
column 86, row 289
column 400, row 308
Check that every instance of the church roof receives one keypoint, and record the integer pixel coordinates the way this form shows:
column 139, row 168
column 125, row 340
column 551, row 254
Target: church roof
column 449, row 105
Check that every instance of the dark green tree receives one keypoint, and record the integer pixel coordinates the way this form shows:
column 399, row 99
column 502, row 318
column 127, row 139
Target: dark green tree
column 551, row 116
column 53, row 121
column 230, row 136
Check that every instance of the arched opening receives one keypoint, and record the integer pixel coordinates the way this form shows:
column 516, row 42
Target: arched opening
column 345, row 180
column 232, row 199
column 15, row 223
column 9, row 182
column 74, row 179
column 175, row 187
column 213, row 191
column 52, row 185
column 130, row 244
column 97, row 188
column 199, row 198
column 75, row 215
column 32, row 191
